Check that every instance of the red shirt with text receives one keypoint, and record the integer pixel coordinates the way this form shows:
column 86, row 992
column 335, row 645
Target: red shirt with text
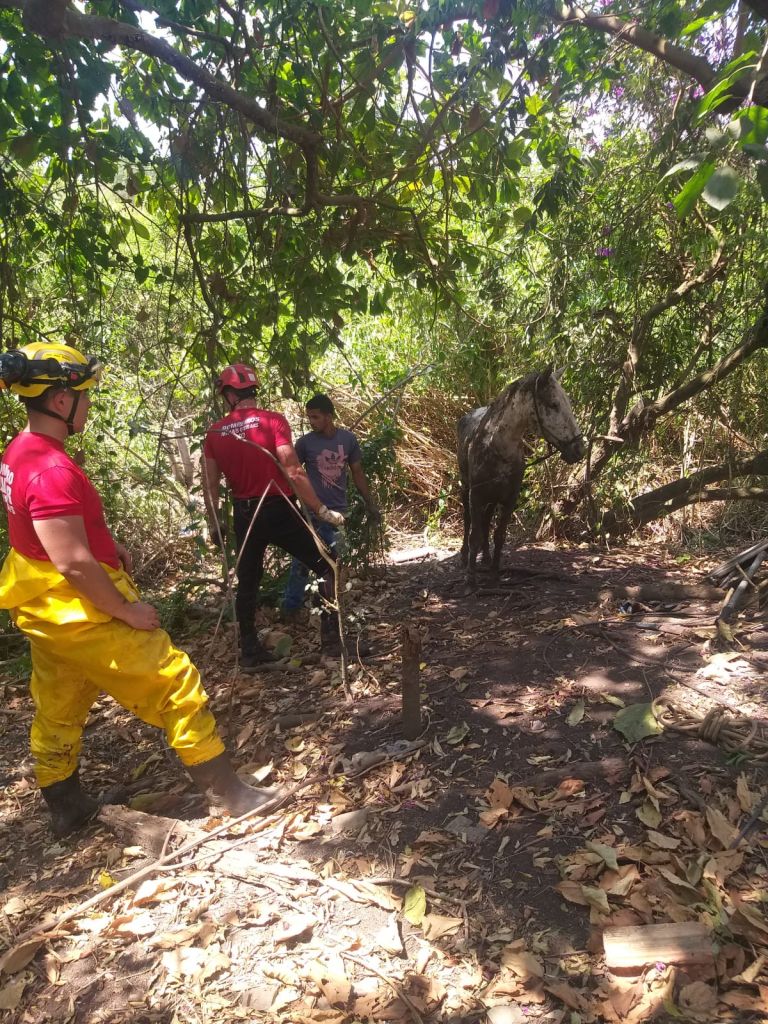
column 249, row 472
column 38, row 480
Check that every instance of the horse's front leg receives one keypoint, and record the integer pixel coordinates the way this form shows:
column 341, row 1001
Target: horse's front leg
column 508, row 506
column 487, row 519
column 476, row 539
column 500, row 535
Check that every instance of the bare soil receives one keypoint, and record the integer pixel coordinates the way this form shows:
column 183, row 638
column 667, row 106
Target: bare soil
column 521, row 683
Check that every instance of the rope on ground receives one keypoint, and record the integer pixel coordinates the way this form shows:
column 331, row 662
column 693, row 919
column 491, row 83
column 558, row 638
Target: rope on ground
column 733, row 732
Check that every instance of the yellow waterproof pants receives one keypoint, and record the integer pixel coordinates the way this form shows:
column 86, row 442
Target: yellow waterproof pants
column 79, row 652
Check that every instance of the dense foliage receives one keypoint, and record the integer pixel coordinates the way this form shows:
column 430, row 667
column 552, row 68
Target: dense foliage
column 348, row 193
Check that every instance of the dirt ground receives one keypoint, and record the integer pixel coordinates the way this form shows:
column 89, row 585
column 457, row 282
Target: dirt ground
column 467, row 875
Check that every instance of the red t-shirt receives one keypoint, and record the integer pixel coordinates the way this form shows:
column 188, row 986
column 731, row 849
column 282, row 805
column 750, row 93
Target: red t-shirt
column 38, row 480
column 249, row 472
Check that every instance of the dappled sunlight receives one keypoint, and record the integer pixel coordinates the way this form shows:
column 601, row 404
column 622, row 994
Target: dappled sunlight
column 473, row 868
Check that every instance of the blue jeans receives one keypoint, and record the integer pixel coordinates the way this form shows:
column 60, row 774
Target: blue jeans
column 295, row 589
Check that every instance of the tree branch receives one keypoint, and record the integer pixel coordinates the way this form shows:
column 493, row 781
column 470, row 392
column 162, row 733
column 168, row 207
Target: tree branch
column 683, row 60
column 70, row 23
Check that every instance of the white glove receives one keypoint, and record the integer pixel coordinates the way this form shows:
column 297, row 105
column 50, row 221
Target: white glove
column 329, row 516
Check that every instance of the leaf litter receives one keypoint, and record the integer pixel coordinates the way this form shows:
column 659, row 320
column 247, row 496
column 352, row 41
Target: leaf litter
column 488, row 862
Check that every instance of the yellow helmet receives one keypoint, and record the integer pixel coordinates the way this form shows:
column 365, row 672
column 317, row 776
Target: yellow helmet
column 31, row 370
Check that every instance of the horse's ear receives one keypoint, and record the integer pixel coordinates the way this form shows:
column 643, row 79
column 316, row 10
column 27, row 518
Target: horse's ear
column 559, row 373
column 547, row 372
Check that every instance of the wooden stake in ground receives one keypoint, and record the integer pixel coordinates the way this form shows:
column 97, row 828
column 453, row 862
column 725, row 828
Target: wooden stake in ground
column 411, row 655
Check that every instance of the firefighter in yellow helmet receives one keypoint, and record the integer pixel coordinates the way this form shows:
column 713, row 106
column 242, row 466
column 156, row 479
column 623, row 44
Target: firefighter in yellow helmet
column 67, row 584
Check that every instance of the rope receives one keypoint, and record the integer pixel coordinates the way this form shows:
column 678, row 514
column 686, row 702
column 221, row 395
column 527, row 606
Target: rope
column 734, row 733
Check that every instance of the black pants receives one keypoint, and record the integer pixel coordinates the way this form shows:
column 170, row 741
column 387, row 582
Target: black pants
column 275, row 524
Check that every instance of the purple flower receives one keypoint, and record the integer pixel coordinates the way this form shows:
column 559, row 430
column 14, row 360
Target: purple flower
column 604, row 251
column 618, row 91
column 607, row 229
column 697, row 91
column 660, row 967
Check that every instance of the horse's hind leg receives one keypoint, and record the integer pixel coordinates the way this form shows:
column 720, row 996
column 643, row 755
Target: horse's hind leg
column 476, row 537
column 500, row 535
column 487, row 518
column 467, row 522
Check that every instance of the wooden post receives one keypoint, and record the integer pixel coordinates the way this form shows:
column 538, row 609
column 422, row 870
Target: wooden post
column 411, row 655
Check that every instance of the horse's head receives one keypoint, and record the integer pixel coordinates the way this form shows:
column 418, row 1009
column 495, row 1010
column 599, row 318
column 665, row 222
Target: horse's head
column 556, row 420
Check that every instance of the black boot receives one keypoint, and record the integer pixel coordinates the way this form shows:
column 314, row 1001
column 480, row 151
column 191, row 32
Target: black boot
column 70, row 807
column 226, row 791
column 253, row 653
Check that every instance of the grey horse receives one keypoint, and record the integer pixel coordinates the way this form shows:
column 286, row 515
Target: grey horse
column 492, row 451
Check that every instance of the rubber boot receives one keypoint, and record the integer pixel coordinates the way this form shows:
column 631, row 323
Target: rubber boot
column 224, row 790
column 71, row 807
column 253, row 653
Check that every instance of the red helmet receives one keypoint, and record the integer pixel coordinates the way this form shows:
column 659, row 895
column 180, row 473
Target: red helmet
column 237, row 376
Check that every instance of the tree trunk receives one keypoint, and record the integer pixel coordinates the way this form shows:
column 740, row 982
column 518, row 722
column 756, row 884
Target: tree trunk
column 641, row 419
column 689, row 490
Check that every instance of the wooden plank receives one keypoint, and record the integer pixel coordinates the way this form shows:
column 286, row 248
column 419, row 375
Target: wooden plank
column 638, row 945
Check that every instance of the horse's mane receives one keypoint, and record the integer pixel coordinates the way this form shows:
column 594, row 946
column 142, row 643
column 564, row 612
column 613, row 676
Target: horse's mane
column 522, row 384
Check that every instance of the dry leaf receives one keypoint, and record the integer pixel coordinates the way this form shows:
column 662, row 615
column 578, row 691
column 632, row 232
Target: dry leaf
column 10, row 994
column 698, row 999
column 596, row 898
column 744, row 794
column 568, row 995
column 720, row 827
column 620, row 883
column 524, row 965
column 203, row 931
column 19, row 956
column 389, row 937
column 499, row 795
column 331, row 978
column 749, row 976
column 572, row 891
column 14, row 906
column 133, row 925
column 661, row 841
column 153, row 890
column 722, row 865
column 245, row 733
column 435, row 926
column 606, row 853
column 649, row 814
column 294, row 926
column 493, row 816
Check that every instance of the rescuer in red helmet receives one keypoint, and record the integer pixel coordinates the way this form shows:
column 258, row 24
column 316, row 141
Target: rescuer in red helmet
column 257, row 482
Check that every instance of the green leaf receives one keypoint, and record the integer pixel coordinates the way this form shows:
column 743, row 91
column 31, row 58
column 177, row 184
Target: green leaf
column 415, row 904
column 721, row 188
column 698, row 23
column 689, row 164
column 636, row 722
column 686, row 198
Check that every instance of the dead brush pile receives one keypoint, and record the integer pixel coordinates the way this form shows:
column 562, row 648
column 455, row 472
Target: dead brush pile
column 426, row 448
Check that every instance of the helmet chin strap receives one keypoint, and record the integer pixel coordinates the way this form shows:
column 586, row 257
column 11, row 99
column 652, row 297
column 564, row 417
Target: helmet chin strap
column 68, row 421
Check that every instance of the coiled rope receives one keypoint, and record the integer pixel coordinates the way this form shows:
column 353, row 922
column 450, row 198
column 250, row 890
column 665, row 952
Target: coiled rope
column 733, row 733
